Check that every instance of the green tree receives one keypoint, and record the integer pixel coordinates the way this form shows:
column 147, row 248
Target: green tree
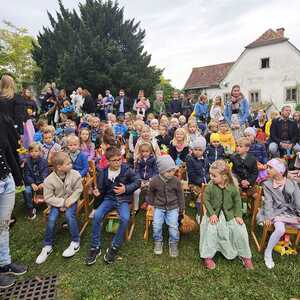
column 97, row 49
column 167, row 88
column 15, row 53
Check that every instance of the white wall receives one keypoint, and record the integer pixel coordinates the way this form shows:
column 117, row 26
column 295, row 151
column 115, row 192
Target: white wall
column 284, row 72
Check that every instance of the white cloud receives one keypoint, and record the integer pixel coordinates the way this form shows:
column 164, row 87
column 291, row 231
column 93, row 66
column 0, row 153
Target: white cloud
column 183, row 34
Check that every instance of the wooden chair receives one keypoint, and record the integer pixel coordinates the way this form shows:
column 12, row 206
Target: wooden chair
column 113, row 215
column 261, row 243
column 150, row 211
column 250, row 199
column 85, row 202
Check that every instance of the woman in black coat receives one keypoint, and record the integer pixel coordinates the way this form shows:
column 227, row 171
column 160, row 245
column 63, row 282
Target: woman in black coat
column 89, row 104
column 12, row 106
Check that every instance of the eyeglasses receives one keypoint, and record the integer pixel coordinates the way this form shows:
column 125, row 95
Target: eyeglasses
column 115, row 160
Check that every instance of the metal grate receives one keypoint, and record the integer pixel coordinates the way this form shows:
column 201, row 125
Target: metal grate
column 32, row 289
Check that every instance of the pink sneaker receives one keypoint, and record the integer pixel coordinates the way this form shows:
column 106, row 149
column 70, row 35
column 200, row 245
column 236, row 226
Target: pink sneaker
column 209, row 263
column 247, row 262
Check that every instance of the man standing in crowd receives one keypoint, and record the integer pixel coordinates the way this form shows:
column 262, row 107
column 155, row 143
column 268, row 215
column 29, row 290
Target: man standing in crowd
column 122, row 104
column 175, row 106
column 283, row 134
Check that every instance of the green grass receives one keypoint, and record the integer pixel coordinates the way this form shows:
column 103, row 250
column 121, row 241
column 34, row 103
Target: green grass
column 141, row 275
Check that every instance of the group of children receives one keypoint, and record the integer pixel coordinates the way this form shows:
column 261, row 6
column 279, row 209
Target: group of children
column 138, row 159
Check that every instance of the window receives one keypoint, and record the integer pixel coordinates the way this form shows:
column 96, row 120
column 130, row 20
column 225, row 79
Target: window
column 291, row 94
column 265, row 63
column 254, row 96
column 226, row 97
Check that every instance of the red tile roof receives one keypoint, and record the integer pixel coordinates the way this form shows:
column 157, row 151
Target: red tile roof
column 208, row 76
column 269, row 37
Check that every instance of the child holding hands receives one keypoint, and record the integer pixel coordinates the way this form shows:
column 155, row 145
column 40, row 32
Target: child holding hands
column 62, row 189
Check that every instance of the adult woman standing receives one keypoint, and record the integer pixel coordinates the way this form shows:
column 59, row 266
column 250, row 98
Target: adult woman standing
column 10, row 175
column 89, row 104
column 48, row 105
column 12, row 106
column 236, row 112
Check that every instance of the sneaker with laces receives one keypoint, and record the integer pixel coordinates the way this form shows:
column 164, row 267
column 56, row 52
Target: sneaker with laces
column 71, row 250
column 46, row 251
column 92, row 256
column 110, row 255
column 32, row 214
column 13, row 269
column 173, row 249
column 158, row 247
column 6, row 282
column 209, row 263
column 247, row 262
column 269, row 262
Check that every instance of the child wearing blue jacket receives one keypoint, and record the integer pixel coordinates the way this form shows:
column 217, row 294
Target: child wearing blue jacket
column 115, row 186
column 214, row 151
column 198, row 171
column 145, row 168
column 35, row 171
column 78, row 158
column 202, row 113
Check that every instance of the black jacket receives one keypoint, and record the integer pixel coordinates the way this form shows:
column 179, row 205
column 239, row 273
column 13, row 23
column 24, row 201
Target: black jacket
column 187, row 108
column 106, row 187
column 181, row 155
column 9, row 144
column 175, row 106
column 276, row 129
column 127, row 104
column 197, row 170
column 89, row 105
column 244, row 169
column 146, row 169
column 163, row 140
column 213, row 153
column 35, row 171
column 14, row 109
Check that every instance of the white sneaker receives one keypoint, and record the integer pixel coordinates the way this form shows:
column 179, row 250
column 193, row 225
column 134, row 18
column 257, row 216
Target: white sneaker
column 269, row 262
column 71, row 250
column 46, row 251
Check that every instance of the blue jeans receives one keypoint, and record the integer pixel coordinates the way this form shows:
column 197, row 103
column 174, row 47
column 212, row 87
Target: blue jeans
column 171, row 218
column 70, row 215
column 7, row 202
column 105, row 207
column 27, row 194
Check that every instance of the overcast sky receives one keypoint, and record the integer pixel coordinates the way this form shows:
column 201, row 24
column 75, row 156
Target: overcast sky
column 182, row 34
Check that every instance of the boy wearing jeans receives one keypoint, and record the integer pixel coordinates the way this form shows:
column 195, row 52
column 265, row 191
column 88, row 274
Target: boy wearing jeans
column 166, row 196
column 62, row 190
column 115, row 187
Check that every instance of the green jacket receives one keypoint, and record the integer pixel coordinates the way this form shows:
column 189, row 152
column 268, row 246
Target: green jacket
column 159, row 107
column 228, row 200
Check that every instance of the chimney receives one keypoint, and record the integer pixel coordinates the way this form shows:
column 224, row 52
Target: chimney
column 280, row 32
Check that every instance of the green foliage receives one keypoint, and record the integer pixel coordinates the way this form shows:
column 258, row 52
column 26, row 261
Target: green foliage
column 97, row 49
column 297, row 107
column 167, row 88
column 15, row 53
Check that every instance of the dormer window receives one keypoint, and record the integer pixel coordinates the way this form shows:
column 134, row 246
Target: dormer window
column 265, row 63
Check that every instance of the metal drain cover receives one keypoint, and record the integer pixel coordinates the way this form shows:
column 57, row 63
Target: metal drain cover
column 32, row 289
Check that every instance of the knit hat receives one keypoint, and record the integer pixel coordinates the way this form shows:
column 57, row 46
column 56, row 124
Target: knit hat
column 278, row 165
column 165, row 163
column 214, row 137
column 199, row 142
column 250, row 131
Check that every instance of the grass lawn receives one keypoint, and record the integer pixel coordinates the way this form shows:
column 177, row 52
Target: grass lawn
column 141, row 275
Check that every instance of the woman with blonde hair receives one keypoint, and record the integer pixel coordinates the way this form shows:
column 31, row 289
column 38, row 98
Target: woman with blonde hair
column 12, row 106
column 217, row 109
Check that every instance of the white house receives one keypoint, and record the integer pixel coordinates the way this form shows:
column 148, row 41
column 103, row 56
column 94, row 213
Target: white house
column 268, row 70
